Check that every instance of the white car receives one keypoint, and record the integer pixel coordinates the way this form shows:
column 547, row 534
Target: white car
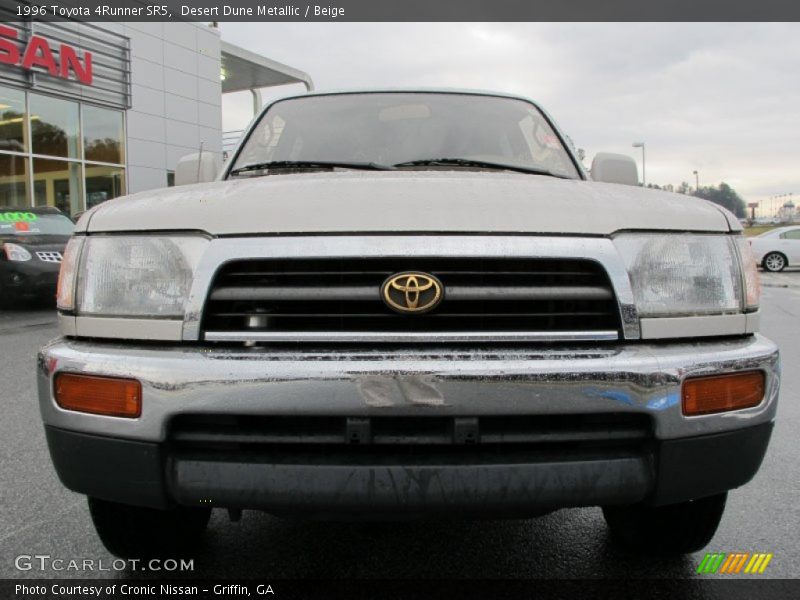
column 777, row 249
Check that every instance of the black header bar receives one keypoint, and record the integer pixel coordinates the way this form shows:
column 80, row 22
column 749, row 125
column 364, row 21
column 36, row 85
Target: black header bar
column 404, row 10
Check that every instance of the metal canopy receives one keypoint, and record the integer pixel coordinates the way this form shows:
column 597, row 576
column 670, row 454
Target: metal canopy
column 245, row 70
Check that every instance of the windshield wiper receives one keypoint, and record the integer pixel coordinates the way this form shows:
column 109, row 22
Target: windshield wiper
column 481, row 164
column 310, row 164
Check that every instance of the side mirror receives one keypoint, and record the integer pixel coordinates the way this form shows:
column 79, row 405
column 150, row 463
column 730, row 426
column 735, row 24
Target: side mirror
column 615, row 168
column 196, row 168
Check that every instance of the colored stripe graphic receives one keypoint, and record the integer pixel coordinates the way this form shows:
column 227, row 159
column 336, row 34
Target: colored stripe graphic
column 711, row 562
column 758, row 563
column 734, row 562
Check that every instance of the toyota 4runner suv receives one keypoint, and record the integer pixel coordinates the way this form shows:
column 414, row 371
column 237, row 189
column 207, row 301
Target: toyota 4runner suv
column 407, row 304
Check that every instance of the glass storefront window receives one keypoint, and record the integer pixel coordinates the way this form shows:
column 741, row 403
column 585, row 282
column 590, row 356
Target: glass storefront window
column 13, row 180
column 57, row 183
column 54, row 145
column 54, row 126
column 103, row 183
column 13, row 136
column 102, row 135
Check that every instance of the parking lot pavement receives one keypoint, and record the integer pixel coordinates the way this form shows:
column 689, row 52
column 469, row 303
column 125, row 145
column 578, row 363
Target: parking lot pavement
column 15, row 321
column 39, row 516
column 789, row 278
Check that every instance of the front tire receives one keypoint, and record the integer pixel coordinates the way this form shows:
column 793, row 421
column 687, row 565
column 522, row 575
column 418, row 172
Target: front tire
column 673, row 529
column 137, row 532
column 774, row 262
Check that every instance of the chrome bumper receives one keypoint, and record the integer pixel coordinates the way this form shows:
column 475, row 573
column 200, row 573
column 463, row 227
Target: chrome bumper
column 634, row 377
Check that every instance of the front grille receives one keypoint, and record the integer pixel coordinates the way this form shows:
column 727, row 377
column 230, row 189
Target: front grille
column 429, row 438
column 301, row 299
column 51, row 257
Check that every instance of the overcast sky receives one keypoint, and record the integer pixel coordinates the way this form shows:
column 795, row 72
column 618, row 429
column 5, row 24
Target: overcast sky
column 723, row 99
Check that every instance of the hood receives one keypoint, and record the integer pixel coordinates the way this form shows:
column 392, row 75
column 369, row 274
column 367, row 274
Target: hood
column 405, row 201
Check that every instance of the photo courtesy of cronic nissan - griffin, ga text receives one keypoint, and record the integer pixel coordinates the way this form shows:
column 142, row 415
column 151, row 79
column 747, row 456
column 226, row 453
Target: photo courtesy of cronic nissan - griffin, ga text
column 407, row 304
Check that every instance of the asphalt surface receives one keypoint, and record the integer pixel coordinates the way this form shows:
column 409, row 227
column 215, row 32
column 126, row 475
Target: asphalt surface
column 39, row 516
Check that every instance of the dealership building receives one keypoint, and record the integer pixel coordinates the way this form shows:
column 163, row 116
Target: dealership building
column 92, row 111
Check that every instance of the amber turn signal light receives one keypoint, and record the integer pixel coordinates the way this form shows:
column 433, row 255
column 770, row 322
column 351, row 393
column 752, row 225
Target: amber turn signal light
column 109, row 396
column 720, row 393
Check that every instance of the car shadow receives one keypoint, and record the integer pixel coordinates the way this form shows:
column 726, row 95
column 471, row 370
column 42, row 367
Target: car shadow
column 564, row 544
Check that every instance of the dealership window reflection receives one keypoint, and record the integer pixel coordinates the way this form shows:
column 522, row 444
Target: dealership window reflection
column 57, row 183
column 102, row 135
column 13, row 133
column 13, row 180
column 58, row 152
column 54, row 126
column 103, row 183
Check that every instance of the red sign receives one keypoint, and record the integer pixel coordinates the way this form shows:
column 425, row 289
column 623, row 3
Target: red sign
column 39, row 54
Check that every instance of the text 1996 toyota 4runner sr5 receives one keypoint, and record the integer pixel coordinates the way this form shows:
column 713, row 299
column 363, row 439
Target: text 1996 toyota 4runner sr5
column 403, row 304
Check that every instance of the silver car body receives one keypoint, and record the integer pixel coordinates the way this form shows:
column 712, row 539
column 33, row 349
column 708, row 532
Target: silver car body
column 183, row 369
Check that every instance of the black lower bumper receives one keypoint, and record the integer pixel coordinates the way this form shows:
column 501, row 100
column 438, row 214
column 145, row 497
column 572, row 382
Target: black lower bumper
column 147, row 474
column 494, row 489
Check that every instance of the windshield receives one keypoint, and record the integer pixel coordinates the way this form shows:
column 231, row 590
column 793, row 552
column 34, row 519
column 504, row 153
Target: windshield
column 24, row 223
column 396, row 128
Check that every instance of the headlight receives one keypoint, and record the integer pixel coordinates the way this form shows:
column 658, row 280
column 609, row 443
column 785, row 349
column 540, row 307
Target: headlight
column 142, row 276
column 752, row 282
column 16, row 253
column 65, row 291
column 682, row 275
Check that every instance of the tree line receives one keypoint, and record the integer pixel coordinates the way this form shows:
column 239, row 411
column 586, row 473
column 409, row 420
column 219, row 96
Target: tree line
column 722, row 194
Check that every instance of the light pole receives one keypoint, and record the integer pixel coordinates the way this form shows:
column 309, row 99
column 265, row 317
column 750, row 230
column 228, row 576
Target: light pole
column 641, row 145
column 696, row 181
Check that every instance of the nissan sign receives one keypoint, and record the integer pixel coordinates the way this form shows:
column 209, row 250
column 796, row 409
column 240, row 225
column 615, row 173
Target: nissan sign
column 38, row 53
